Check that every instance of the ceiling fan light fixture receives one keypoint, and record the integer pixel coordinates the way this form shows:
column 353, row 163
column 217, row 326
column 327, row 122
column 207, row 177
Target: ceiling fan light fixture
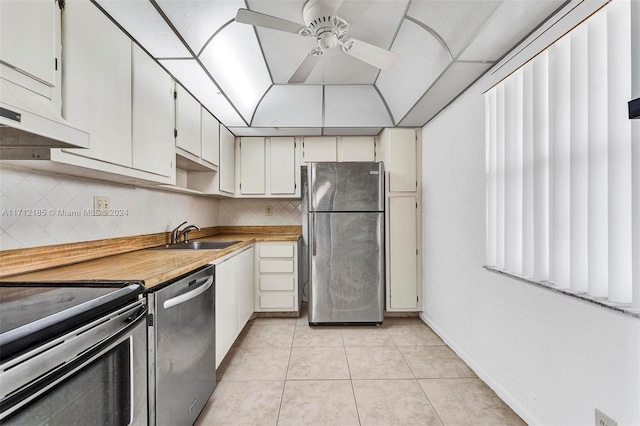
column 327, row 40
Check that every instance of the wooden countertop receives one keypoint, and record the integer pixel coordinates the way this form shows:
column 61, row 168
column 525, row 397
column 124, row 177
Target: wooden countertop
column 153, row 266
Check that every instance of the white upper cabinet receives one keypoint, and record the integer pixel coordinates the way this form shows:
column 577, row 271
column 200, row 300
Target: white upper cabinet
column 357, row 148
column 188, row 122
column 282, row 166
column 227, row 161
column 252, row 166
column 97, row 82
column 210, row 138
column 268, row 167
column 30, row 41
column 153, row 116
column 319, row 149
column 400, row 146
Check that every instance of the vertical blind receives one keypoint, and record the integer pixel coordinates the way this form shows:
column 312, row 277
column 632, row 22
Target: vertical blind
column 563, row 163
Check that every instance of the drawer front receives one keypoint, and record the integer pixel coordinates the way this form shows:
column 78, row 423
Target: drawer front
column 282, row 284
column 276, row 251
column 276, row 266
column 277, row 301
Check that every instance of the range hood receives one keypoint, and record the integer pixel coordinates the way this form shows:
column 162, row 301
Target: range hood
column 29, row 120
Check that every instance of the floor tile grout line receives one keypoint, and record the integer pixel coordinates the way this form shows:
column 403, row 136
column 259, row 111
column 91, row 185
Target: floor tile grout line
column 430, row 403
column 284, row 384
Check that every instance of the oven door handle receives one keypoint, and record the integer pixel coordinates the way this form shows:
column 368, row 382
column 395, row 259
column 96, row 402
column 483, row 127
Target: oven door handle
column 175, row 301
column 26, row 393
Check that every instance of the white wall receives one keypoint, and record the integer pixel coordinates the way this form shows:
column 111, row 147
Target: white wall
column 147, row 210
column 553, row 358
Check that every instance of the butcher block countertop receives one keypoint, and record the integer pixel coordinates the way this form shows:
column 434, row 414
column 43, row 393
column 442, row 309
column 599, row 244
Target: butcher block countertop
column 154, row 266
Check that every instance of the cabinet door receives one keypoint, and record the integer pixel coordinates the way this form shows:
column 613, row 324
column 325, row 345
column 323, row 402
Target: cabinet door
column 319, row 149
column 188, row 122
column 97, row 82
column 227, row 170
column 28, row 37
column 210, row 138
column 153, row 116
column 402, row 284
column 402, row 160
column 226, row 306
column 357, row 148
column 282, row 167
column 252, row 162
column 245, row 287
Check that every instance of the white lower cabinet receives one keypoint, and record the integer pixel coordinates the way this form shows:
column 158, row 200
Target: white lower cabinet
column 402, row 273
column 276, row 277
column 226, row 306
column 245, row 287
column 234, row 299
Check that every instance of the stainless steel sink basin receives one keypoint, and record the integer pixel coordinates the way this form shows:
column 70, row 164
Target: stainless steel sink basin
column 201, row 245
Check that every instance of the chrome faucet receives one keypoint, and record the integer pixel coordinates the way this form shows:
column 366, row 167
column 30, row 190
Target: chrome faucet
column 178, row 233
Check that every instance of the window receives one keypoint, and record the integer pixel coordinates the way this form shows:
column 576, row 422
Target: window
column 563, row 164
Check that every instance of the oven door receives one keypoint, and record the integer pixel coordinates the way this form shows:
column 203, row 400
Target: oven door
column 93, row 375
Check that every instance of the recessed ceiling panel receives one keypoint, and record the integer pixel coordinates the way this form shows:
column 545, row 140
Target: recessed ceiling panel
column 189, row 73
column 508, row 26
column 198, row 20
column 142, row 21
column 290, row 106
column 422, row 60
column 456, row 21
column 451, row 84
column 275, row 131
column 354, row 106
column 235, row 60
column 351, row 131
column 283, row 52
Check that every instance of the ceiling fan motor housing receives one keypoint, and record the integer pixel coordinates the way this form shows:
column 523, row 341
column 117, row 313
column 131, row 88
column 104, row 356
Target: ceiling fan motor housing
column 319, row 16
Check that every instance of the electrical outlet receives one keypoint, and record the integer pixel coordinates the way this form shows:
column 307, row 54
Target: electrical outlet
column 101, row 204
column 603, row 420
column 268, row 211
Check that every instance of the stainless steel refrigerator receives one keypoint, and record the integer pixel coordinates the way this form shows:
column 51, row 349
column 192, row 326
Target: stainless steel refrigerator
column 345, row 242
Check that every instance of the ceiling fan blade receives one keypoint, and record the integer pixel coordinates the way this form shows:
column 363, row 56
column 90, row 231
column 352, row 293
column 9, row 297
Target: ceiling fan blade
column 373, row 55
column 305, row 68
column 258, row 19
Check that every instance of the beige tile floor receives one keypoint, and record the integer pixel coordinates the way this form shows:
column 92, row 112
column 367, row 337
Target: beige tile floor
column 280, row 371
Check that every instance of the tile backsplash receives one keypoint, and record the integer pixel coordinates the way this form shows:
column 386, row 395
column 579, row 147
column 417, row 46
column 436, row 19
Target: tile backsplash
column 39, row 208
column 243, row 212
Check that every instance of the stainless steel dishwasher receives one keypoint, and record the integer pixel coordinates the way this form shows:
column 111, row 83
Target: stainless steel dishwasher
column 182, row 355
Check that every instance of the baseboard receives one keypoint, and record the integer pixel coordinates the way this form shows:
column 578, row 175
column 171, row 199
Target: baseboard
column 525, row 414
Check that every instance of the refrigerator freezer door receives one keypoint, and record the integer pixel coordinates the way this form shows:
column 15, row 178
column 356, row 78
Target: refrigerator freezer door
column 347, row 187
column 346, row 282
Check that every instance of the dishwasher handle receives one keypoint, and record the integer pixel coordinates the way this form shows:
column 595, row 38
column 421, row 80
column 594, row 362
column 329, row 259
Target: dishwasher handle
column 174, row 301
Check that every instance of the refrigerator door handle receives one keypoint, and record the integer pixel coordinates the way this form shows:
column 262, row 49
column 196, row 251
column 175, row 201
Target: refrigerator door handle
column 312, row 234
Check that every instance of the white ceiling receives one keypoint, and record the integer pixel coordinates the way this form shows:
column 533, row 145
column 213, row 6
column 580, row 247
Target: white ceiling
column 240, row 73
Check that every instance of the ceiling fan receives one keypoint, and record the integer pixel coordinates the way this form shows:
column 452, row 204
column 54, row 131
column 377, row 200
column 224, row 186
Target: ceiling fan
column 328, row 29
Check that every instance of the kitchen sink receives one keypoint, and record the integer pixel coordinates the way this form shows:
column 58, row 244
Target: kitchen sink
column 201, row 245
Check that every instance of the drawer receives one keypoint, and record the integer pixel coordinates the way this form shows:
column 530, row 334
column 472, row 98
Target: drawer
column 276, row 266
column 277, row 301
column 286, row 284
column 276, row 250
